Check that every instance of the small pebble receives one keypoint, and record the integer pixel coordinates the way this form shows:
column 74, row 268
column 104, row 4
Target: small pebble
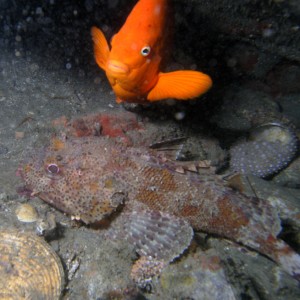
column 19, row 135
column 39, row 11
column 18, row 38
column 179, row 115
column 68, row 66
column 268, row 32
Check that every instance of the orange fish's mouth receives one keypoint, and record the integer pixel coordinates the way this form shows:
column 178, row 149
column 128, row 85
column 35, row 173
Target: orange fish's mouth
column 117, row 67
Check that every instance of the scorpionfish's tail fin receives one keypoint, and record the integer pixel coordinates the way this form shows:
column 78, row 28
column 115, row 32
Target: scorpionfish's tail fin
column 284, row 255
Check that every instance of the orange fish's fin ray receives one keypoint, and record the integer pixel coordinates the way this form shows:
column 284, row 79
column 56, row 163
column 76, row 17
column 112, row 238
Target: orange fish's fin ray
column 181, row 85
column 101, row 48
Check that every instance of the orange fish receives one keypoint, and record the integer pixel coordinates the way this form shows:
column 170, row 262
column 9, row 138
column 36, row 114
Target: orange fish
column 132, row 64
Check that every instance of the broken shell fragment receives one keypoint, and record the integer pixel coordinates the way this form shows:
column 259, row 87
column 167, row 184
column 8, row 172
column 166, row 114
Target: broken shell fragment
column 26, row 213
column 47, row 226
column 29, row 267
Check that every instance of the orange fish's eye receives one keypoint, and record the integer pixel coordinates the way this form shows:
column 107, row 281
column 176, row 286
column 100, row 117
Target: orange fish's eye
column 146, row 50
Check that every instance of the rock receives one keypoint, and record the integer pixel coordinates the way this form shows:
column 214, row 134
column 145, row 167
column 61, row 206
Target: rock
column 199, row 276
column 253, row 276
column 290, row 105
column 244, row 108
column 290, row 176
column 284, row 79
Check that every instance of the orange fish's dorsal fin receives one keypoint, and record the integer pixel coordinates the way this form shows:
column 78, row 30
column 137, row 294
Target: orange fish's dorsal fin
column 101, row 48
column 180, row 85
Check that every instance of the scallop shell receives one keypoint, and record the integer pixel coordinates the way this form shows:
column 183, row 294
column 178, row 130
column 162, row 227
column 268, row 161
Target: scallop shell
column 29, row 267
column 26, row 213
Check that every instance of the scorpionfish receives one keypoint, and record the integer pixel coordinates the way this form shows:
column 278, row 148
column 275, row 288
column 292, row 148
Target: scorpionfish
column 158, row 201
column 133, row 63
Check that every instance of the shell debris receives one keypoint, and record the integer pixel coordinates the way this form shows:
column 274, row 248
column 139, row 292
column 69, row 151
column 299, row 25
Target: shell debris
column 29, row 267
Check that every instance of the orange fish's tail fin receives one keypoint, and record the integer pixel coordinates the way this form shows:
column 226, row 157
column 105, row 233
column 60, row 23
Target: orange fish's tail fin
column 101, row 48
column 180, row 85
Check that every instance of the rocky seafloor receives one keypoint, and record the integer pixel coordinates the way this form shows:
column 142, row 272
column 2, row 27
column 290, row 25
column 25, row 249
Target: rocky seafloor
column 251, row 51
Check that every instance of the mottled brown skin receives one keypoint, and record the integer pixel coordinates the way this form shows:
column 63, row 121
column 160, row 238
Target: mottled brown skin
column 95, row 175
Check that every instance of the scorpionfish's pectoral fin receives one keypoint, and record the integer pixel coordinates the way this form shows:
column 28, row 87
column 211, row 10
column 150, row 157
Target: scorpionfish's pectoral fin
column 157, row 237
column 157, row 234
column 154, row 234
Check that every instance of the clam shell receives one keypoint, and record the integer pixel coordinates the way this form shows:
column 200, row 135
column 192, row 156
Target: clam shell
column 29, row 267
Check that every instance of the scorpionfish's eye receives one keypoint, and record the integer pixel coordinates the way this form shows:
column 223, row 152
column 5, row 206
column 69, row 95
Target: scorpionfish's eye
column 53, row 168
column 146, row 50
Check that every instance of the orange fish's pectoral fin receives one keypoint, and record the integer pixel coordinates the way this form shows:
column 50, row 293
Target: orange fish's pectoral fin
column 101, row 48
column 180, row 85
